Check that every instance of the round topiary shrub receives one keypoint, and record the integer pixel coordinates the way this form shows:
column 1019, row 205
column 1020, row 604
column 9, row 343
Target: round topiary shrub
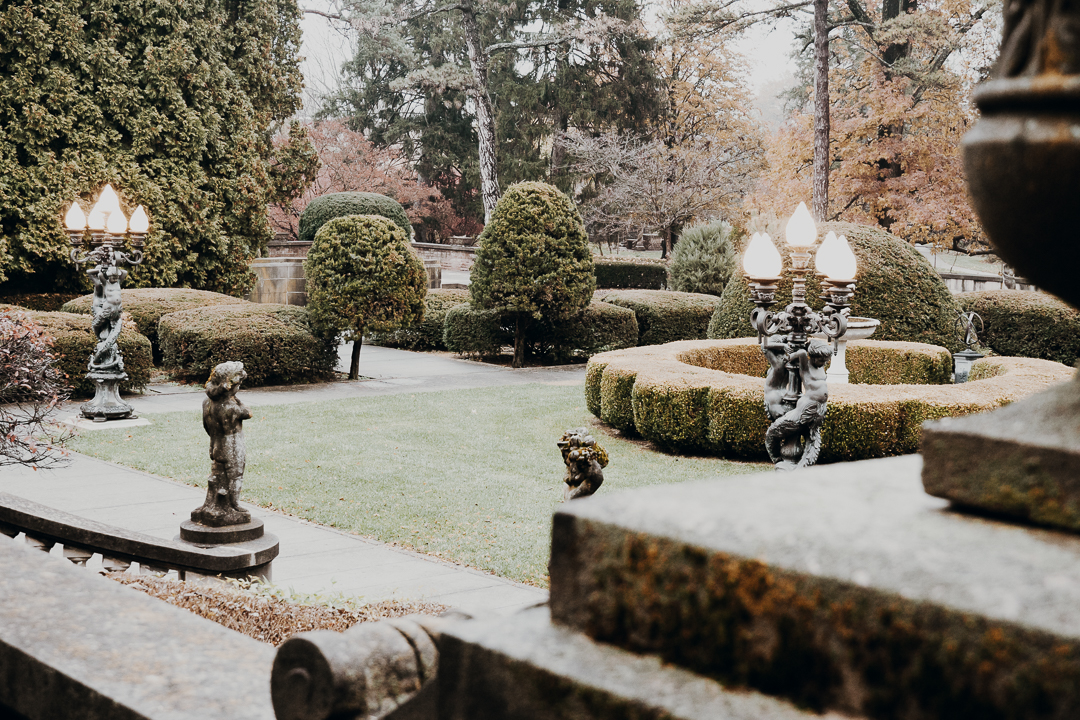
column 74, row 342
column 533, row 260
column 362, row 275
column 147, row 305
column 325, row 208
column 278, row 344
column 1026, row 324
column 704, row 259
column 428, row 333
column 895, row 285
column 665, row 315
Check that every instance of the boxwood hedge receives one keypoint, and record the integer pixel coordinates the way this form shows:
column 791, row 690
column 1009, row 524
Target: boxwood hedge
column 428, row 334
column 666, row 316
column 1026, row 324
column 637, row 274
column 44, row 302
column 325, row 208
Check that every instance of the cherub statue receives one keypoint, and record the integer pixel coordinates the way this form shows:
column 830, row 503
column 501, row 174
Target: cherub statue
column 794, row 438
column 585, row 461
column 107, row 321
column 223, row 420
column 776, row 350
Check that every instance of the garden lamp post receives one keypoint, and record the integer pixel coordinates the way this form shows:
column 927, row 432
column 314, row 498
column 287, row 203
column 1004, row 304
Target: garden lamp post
column 109, row 232
column 796, row 393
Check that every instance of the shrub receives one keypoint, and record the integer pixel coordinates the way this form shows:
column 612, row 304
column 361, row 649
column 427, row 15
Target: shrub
column 323, row 209
column 146, row 306
column 639, row 274
column 665, row 315
column 685, row 396
column 42, row 302
column 704, row 259
column 428, row 333
column 1026, row 324
column 362, row 275
column 74, row 342
column 895, row 285
column 533, row 260
column 469, row 331
column 278, row 344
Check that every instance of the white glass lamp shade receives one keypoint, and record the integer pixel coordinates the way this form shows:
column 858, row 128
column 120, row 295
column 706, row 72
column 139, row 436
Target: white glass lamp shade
column 75, row 219
column 762, row 259
column 108, row 202
column 117, row 224
column 835, row 258
column 800, row 230
column 96, row 220
column 139, row 222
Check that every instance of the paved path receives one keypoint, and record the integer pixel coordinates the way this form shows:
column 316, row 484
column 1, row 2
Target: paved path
column 313, row 558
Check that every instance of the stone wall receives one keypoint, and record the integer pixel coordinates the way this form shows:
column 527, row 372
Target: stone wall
column 450, row 257
column 279, row 280
column 965, row 282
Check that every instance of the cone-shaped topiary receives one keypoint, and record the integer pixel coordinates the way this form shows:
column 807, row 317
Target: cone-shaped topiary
column 362, row 274
column 704, row 259
column 533, row 260
column 325, row 208
column 895, row 284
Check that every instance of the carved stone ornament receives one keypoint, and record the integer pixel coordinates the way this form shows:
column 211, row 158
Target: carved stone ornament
column 585, row 463
column 223, row 420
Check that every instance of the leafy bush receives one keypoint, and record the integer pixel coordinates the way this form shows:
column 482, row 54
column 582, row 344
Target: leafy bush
column 533, row 260
column 147, row 305
column 895, row 285
column 1026, row 324
column 44, row 302
column 638, row 274
column 278, row 344
column 665, row 315
column 323, row 209
column 469, row 331
column 704, row 259
column 74, row 342
column 428, row 333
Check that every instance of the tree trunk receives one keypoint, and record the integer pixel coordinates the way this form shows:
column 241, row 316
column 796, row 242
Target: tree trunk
column 485, row 114
column 821, row 112
column 354, row 364
column 519, row 340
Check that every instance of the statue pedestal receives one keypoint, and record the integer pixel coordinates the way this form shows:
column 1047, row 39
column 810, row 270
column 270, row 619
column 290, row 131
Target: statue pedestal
column 207, row 536
column 107, row 404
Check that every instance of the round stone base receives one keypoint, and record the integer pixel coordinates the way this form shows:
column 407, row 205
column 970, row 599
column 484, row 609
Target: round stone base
column 107, row 404
column 199, row 534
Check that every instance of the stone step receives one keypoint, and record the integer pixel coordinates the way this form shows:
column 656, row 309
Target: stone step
column 526, row 668
column 842, row 587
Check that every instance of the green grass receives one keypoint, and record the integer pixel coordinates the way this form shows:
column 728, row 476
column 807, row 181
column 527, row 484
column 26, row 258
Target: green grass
column 472, row 476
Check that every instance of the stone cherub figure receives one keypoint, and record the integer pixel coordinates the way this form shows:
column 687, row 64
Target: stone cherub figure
column 107, row 317
column 794, row 438
column 776, row 349
column 585, row 463
column 223, row 420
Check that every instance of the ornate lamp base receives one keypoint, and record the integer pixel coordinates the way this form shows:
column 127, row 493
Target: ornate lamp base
column 107, row 404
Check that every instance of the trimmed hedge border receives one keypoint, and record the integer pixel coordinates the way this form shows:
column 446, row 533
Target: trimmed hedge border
column 42, row 302
column 428, row 335
column 706, row 396
column 665, row 316
column 277, row 343
column 1026, row 324
column 147, row 305
column 640, row 274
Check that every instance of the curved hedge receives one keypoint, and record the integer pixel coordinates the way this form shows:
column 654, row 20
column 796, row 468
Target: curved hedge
column 147, row 305
column 325, row 208
column 895, row 285
column 277, row 343
column 665, row 315
column 696, row 396
column 74, row 341
column 428, row 334
column 1026, row 324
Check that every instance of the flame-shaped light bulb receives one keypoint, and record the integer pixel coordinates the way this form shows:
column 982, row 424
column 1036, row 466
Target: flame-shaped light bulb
column 117, row 224
column 800, row 230
column 75, row 219
column 139, row 222
column 96, row 220
column 762, row 260
column 108, row 202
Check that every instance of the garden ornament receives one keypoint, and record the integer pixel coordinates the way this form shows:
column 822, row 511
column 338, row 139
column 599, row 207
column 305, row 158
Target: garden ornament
column 794, row 438
column 585, row 461
column 966, row 333
column 223, row 420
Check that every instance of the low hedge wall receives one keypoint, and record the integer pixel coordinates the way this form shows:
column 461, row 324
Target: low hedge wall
column 74, row 341
column 1026, row 324
column 640, row 274
column 699, row 396
column 665, row 316
column 42, row 302
column 147, row 305
column 428, row 335
column 277, row 343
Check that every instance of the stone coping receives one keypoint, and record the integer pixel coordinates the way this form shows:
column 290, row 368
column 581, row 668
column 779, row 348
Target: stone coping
column 48, row 523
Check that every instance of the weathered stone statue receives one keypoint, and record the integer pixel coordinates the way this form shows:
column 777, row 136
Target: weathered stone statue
column 585, row 463
column 776, row 379
column 794, row 438
column 223, row 420
column 107, row 322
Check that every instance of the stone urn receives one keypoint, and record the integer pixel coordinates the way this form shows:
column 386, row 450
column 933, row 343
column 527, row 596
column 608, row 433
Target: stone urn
column 858, row 328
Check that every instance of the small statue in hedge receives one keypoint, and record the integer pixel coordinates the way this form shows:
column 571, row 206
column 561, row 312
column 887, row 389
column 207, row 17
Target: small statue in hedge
column 223, row 420
column 585, row 463
column 794, row 438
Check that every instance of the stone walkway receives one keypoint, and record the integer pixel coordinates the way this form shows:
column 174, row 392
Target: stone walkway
column 313, row 558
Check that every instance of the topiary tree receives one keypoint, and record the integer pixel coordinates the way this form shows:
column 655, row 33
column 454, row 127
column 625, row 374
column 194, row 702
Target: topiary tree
column 703, row 259
column 533, row 260
column 323, row 209
column 895, row 284
column 362, row 275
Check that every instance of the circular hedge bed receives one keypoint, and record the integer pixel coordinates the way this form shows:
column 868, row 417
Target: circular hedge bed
column 895, row 284
column 706, row 396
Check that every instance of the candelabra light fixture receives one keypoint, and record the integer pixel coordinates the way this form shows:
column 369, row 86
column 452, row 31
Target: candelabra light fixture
column 796, row 392
column 110, row 233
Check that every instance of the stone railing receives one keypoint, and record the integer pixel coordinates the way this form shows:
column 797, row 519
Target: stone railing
column 970, row 282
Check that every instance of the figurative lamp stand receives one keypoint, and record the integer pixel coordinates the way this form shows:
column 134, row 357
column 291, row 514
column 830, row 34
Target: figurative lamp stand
column 109, row 232
column 796, row 393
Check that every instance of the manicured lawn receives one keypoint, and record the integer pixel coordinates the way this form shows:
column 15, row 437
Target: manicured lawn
column 469, row 475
